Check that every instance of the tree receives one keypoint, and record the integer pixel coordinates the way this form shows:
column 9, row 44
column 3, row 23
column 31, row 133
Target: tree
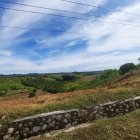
column 139, row 59
column 32, row 94
column 126, row 68
column 53, row 87
column 68, row 77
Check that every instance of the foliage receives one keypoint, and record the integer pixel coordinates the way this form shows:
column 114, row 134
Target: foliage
column 36, row 82
column 109, row 74
column 68, row 77
column 106, row 76
column 53, row 86
column 10, row 82
column 31, row 95
column 3, row 93
column 126, row 68
column 34, row 90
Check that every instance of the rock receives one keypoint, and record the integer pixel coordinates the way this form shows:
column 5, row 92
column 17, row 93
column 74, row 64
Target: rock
column 97, row 116
column 26, row 130
column 95, row 111
column 24, row 135
column 36, row 129
column 82, row 113
column 49, row 120
column 57, row 128
column 137, row 105
column 17, row 132
column 3, row 118
column 110, row 106
column 52, row 123
column 75, row 123
column 117, row 110
column 10, row 130
column 59, row 117
column 66, row 121
column 112, row 110
column 6, row 137
column 68, row 125
column 44, row 127
column 97, row 107
column 127, row 110
column 12, row 138
column 105, row 115
column 68, row 115
column 31, row 123
column 20, row 125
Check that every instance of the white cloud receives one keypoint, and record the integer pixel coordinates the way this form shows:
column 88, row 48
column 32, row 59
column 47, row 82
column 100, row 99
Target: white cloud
column 6, row 53
column 109, row 38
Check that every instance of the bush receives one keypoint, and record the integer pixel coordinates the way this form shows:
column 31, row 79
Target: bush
column 3, row 93
column 31, row 95
column 126, row 68
column 106, row 76
column 34, row 90
column 68, row 77
column 14, row 87
column 53, row 87
column 36, row 82
column 109, row 74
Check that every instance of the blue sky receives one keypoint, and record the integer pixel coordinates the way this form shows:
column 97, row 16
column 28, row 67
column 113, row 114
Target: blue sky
column 101, row 45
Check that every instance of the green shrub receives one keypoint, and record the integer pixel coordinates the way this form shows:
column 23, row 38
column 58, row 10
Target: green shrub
column 31, row 95
column 3, row 93
column 14, row 87
column 68, row 77
column 126, row 68
column 106, row 76
column 34, row 90
column 53, row 87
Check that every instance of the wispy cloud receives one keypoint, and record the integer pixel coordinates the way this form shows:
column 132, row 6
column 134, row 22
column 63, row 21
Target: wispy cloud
column 107, row 45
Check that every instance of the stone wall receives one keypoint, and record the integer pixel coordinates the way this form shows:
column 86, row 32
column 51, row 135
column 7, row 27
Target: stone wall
column 43, row 123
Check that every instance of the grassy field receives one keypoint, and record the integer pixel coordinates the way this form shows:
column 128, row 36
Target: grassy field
column 22, row 106
column 19, row 105
column 125, row 127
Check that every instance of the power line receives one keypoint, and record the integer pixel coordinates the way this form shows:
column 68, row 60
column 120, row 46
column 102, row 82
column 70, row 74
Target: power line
column 62, row 16
column 58, row 31
column 71, row 12
column 40, row 29
column 99, row 7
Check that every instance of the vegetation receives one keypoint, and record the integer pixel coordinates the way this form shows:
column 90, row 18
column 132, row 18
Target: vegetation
column 126, row 68
column 12, row 109
column 79, row 90
column 60, row 83
column 3, row 93
column 32, row 94
column 53, row 86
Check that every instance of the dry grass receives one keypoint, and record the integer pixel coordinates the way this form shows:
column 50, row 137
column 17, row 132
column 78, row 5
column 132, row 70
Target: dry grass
column 13, row 107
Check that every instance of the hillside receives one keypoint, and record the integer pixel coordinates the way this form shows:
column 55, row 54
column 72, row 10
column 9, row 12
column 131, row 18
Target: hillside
column 88, row 90
column 19, row 105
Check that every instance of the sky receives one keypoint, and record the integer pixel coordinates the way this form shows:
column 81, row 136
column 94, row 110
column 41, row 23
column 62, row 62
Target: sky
column 95, row 44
